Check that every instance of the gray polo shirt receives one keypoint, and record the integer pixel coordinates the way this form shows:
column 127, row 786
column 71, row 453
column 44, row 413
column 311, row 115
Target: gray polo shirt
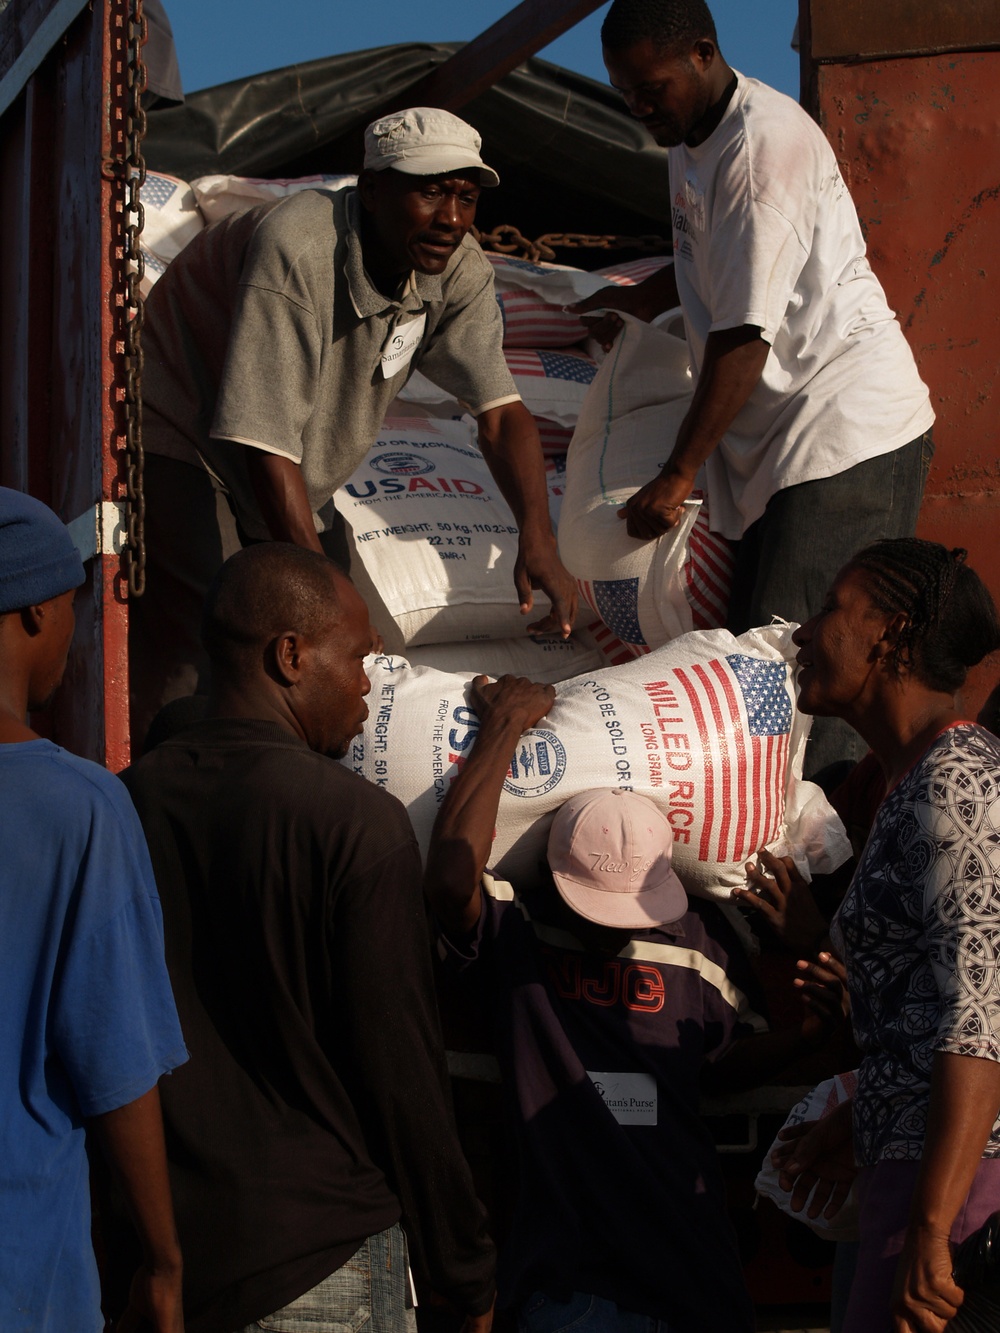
column 267, row 331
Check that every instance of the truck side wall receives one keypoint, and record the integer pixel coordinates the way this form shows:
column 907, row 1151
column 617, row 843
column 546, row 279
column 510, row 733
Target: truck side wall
column 916, row 136
column 61, row 358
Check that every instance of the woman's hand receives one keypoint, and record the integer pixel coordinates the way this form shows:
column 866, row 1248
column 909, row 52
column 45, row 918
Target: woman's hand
column 817, row 1155
column 926, row 1295
column 785, row 901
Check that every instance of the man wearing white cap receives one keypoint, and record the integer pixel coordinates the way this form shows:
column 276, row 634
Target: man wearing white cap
column 611, row 997
column 275, row 342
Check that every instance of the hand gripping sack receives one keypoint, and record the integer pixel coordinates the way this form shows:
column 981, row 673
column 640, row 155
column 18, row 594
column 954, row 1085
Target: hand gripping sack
column 705, row 726
column 646, row 592
column 544, row 658
column 823, row 1099
column 435, row 541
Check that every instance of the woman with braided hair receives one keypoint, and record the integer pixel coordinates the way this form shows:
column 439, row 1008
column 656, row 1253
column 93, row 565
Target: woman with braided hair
column 919, row 930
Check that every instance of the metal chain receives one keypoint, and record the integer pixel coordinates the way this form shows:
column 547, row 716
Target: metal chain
column 135, row 177
column 507, row 239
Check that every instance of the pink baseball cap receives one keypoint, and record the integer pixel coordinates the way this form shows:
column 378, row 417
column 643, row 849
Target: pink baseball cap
column 609, row 853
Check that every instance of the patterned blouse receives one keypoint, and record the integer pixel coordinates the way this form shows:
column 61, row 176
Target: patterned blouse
column 920, row 930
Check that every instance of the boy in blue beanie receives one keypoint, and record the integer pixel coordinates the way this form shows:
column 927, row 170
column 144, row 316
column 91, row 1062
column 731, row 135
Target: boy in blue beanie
column 87, row 1023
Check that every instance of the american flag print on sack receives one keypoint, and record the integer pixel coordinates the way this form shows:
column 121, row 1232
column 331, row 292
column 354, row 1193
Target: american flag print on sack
column 634, row 270
column 608, row 644
column 743, row 715
column 708, row 573
column 530, row 321
column 500, row 262
column 616, row 601
column 572, row 366
column 554, row 438
column 157, row 191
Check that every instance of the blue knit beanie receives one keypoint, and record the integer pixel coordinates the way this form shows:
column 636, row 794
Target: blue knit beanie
column 38, row 560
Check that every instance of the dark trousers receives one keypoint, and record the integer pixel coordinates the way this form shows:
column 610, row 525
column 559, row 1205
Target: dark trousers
column 190, row 531
column 789, row 558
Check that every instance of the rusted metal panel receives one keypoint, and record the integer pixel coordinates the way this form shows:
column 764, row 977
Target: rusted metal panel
column 60, row 274
column 917, row 140
column 854, row 29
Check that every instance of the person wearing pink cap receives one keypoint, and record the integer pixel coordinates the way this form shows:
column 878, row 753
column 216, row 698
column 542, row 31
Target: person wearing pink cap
column 613, row 999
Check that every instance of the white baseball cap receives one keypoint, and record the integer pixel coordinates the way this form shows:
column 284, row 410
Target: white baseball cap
column 609, row 853
column 425, row 141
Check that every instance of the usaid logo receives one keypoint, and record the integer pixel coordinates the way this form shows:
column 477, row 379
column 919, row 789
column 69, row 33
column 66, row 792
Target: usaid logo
column 401, row 465
column 537, row 766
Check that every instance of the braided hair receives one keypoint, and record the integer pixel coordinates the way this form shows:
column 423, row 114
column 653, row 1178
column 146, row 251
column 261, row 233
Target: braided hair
column 951, row 620
column 671, row 25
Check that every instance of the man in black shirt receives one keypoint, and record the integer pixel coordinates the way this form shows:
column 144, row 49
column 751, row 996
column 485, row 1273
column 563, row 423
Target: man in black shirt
column 313, row 1113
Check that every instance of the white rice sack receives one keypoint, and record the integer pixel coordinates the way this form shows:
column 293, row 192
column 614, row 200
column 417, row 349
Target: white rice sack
column 435, row 540
column 634, row 271
column 541, row 658
column 705, row 726
column 553, row 384
column 170, row 221
column 533, row 297
column 530, row 321
column 708, row 573
column 642, row 595
column 626, row 430
column 554, row 439
column 557, row 284
column 560, row 284
column 218, row 196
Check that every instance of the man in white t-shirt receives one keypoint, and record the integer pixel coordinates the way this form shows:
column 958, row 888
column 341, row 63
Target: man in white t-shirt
column 809, row 418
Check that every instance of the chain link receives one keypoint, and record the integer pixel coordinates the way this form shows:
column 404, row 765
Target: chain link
column 135, row 177
column 508, row 240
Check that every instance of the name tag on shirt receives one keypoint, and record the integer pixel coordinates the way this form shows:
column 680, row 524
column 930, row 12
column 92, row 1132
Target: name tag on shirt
column 631, row 1098
column 402, row 342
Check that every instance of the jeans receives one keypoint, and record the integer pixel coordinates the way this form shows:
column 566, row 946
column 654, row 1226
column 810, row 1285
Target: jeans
column 583, row 1314
column 370, row 1291
column 788, row 559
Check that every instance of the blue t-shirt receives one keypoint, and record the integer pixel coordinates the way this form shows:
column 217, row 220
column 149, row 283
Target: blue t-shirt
column 87, row 1018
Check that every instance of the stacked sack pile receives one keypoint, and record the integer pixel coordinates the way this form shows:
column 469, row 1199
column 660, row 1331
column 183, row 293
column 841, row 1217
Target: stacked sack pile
column 651, row 693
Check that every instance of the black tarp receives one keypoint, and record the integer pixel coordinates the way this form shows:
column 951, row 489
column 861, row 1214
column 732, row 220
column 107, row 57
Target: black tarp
column 569, row 156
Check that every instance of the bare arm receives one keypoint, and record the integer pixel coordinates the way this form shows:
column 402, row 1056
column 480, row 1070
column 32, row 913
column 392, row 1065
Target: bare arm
column 509, row 440
column 752, row 1060
column 964, row 1102
column 734, row 363
column 281, row 493
column 132, row 1140
column 463, row 831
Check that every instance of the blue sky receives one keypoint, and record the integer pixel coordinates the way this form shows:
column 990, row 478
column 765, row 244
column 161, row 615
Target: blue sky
column 220, row 40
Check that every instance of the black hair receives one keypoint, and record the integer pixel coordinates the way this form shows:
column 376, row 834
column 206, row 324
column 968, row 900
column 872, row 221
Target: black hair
column 671, row 25
column 951, row 620
column 989, row 714
column 259, row 593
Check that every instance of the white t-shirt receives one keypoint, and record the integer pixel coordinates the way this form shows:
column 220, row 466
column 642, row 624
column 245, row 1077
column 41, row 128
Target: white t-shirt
column 765, row 233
